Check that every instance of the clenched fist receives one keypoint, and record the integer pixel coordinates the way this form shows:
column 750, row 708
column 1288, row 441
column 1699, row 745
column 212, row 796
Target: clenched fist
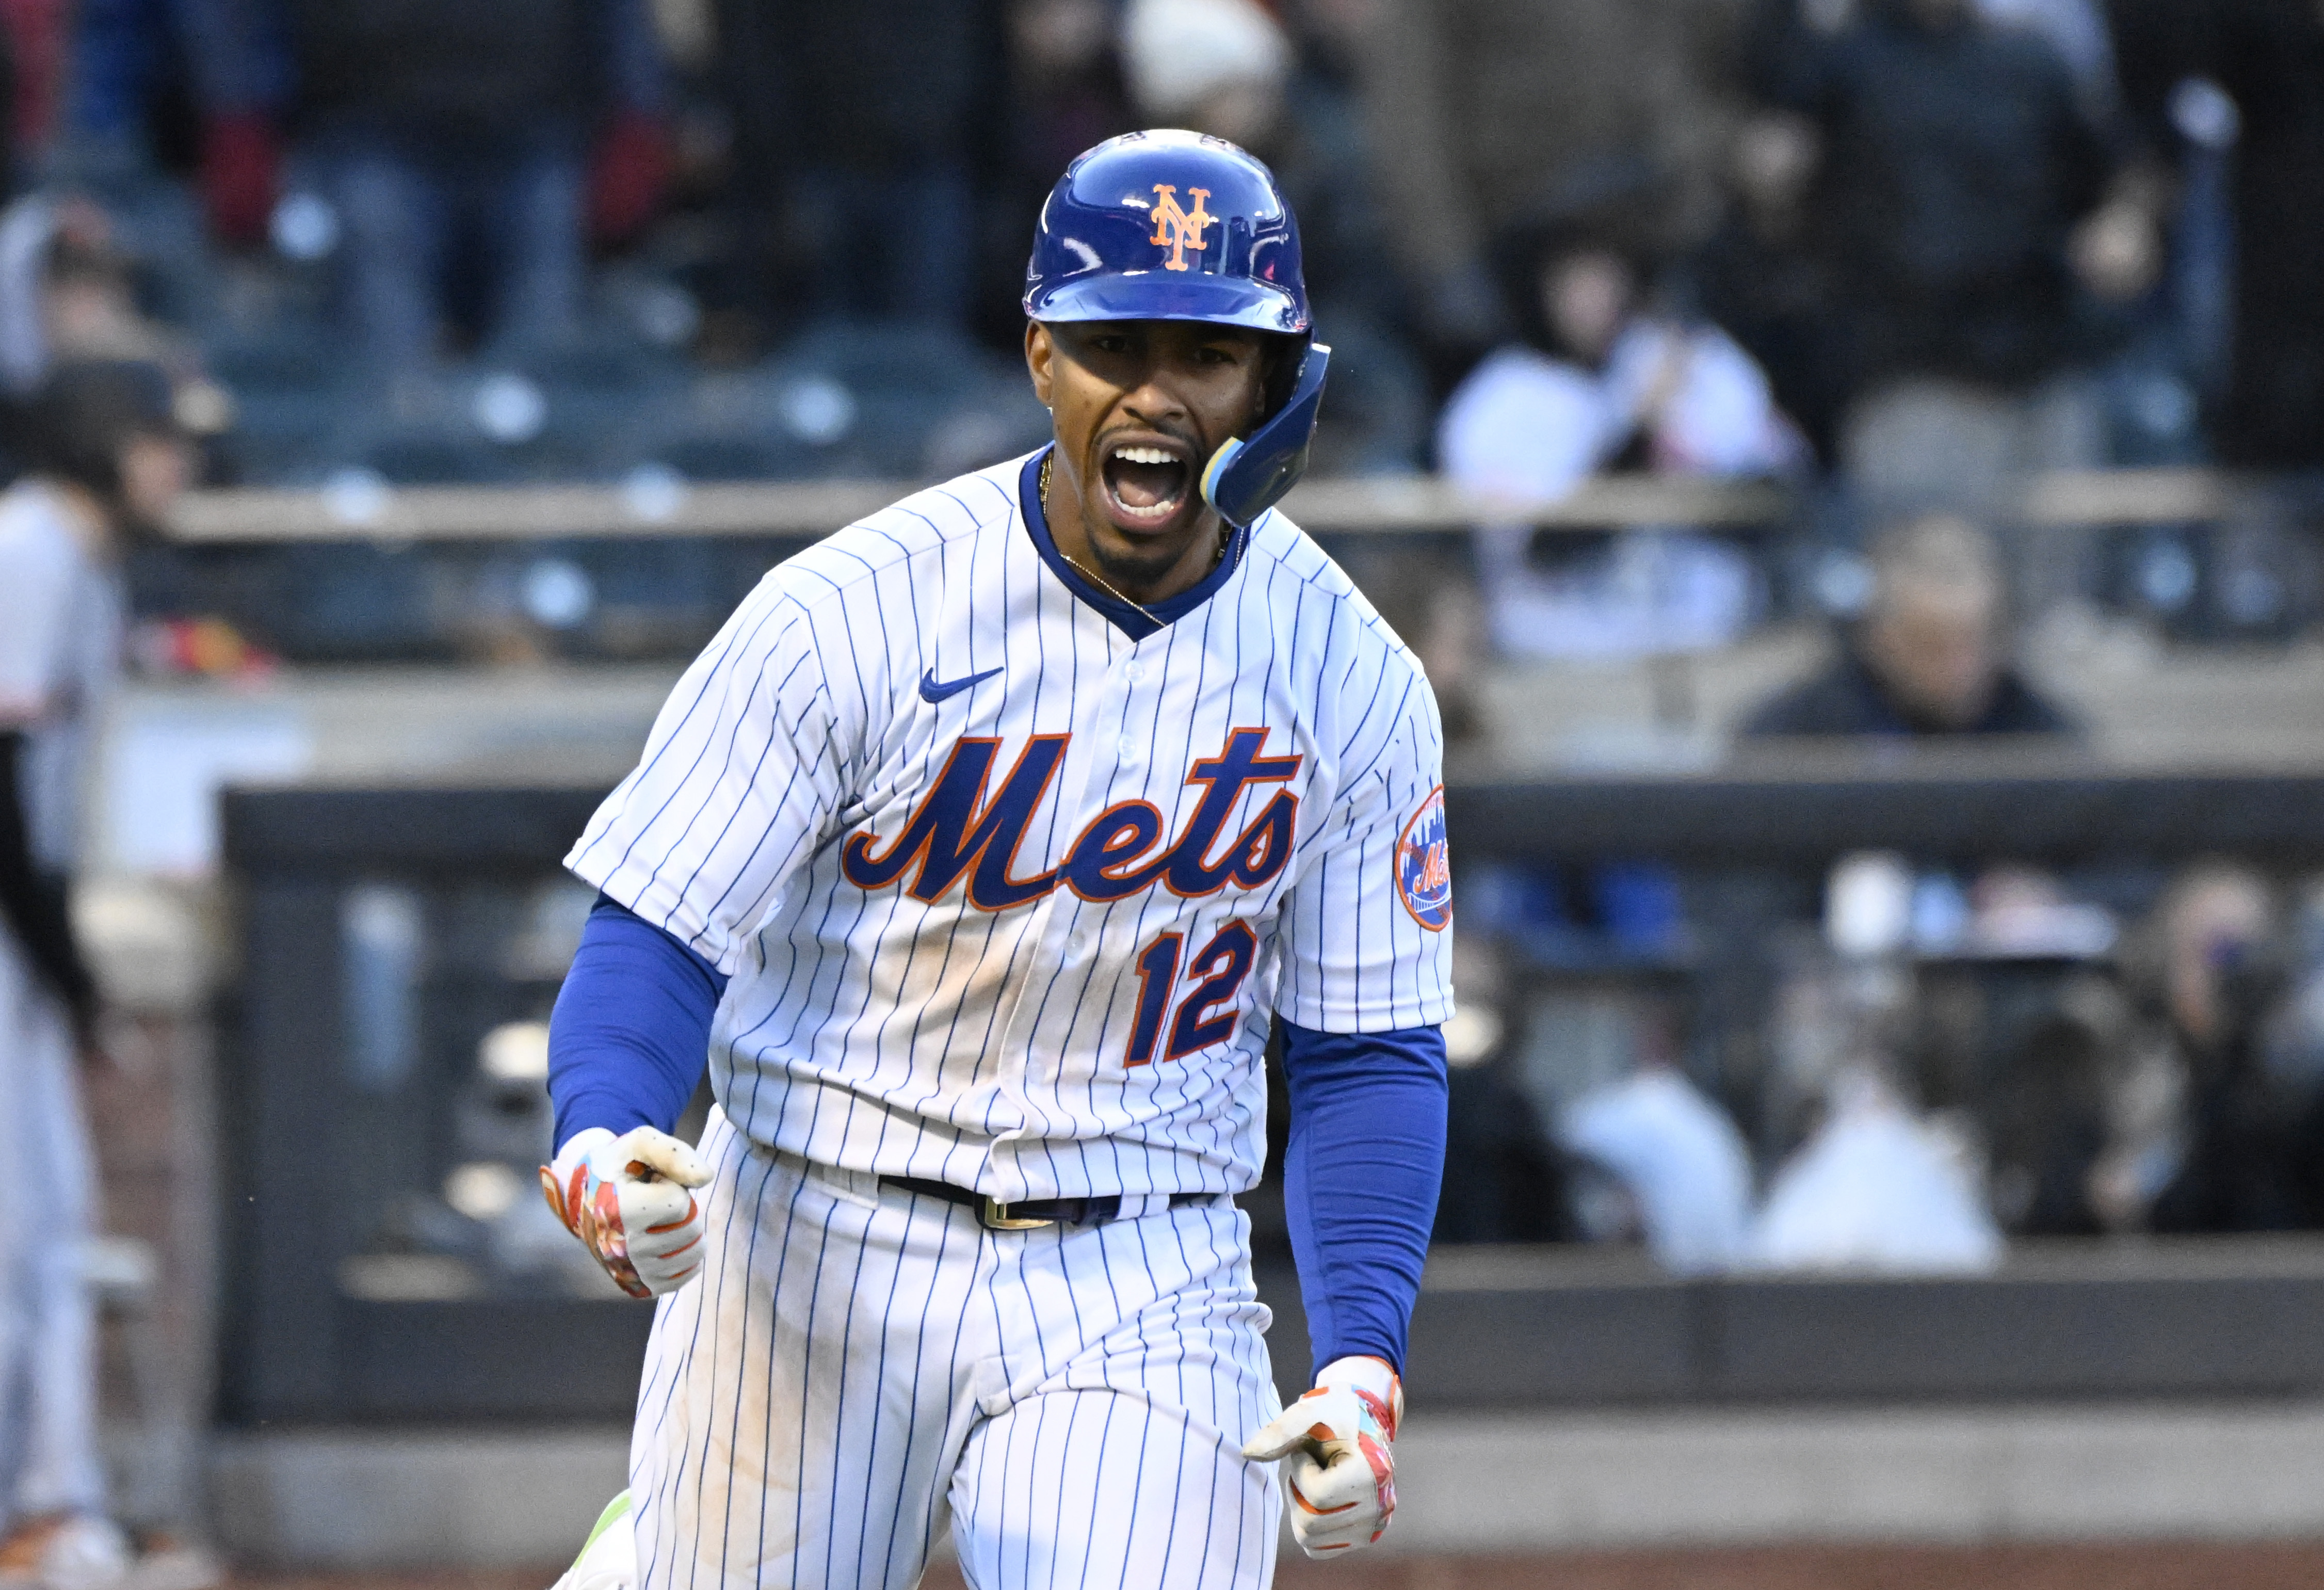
column 1336, row 1444
column 630, row 1200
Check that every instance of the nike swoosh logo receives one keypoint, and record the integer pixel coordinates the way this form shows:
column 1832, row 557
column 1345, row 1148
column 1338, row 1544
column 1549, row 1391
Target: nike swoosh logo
column 932, row 692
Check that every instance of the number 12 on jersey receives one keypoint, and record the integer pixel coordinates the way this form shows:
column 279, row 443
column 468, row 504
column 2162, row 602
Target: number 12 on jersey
column 1217, row 973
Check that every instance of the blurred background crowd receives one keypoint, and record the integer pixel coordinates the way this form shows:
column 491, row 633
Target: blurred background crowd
column 1900, row 240
column 1831, row 384
column 1901, row 257
column 1897, row 252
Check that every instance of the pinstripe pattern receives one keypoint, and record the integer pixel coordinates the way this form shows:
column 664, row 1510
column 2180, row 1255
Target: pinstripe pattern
column 870, row 1030
column 855, row 1369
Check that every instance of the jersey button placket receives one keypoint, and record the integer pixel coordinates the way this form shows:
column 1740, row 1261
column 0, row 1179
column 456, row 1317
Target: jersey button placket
column 1029, row 1074
column 1129, row 752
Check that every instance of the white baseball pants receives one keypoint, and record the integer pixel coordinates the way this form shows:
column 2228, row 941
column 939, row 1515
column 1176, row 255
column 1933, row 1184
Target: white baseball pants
column 49, row 1460
column 855, row 1365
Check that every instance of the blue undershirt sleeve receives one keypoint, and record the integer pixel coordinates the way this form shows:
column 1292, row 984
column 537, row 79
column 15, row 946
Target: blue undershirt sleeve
column 630, row 1034
column 1359, row 1180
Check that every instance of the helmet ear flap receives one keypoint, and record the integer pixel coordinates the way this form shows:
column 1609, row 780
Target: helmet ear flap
column 1286, row 355
column 1246, row 477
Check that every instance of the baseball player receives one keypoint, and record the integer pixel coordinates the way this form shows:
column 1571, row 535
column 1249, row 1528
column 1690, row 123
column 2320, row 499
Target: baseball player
column 107, row 458
column 981, row 851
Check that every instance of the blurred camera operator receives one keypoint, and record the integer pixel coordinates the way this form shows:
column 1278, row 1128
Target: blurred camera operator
column 1929, row 656
column 2213, row 972
column 108, row 462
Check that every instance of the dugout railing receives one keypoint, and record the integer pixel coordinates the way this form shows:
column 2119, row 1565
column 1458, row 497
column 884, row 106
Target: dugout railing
column 356, row 569
column 323, row 1140
column 360, row 508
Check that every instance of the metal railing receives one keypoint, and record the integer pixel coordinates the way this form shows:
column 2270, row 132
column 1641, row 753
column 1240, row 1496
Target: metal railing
column 362, row 509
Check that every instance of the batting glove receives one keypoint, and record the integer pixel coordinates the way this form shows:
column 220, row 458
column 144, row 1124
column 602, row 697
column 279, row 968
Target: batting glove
column 1336, row 1446
column 627, row 1199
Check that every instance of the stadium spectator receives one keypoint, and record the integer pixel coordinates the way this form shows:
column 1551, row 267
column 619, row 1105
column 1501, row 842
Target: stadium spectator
column 2046, row 1123
column 2268, row 56
column 442, row 129
column 1930, row 657
column 2078, row 32
column 1282, row 90
column 1216, row 66
column 1328, row 159
column 107, row 462
column 1761, row 277
column 1877, row 1185
column 68, row 295
column 1066, row 94
column 1680, row 1158
column 125, row 110
column 34, row 36
column 1485, row 112
column 863, row 130
column 1963, row 198
column 1600, row 380
column 1511, row 1185
column 1065, row 67
column 2212, row 972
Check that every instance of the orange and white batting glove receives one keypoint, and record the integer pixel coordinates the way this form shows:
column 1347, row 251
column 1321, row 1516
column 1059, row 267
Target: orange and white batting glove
column 1336, row 1444
column 629, row 1199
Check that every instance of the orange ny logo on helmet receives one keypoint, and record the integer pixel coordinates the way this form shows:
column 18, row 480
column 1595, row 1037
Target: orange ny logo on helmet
column 1177, row 229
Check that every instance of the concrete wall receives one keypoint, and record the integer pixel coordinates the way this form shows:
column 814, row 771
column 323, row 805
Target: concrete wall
column 1466, row 1483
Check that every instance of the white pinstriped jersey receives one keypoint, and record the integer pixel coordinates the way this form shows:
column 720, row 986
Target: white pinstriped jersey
column 1006, row 896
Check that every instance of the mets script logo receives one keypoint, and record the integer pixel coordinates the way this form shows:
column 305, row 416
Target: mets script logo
column 963, row 828
column 1423, row 865
column 1177, row 229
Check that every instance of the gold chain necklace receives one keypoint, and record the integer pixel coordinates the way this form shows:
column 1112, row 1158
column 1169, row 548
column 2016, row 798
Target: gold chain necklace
column 1041, row 489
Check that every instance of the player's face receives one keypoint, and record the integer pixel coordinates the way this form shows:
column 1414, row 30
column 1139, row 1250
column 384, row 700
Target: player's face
column 1141, row 406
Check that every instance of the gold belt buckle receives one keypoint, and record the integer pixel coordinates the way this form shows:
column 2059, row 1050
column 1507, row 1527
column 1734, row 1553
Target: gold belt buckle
column 994, row 1217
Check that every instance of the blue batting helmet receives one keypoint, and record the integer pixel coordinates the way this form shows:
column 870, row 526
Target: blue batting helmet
column 1176, row 226
column 1168, row 225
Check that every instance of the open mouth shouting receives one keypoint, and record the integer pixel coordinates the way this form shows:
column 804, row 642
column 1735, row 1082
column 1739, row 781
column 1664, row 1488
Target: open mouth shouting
column 1148, row 481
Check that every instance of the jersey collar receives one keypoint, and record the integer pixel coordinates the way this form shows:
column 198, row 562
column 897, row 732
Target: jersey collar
column 1124, row 617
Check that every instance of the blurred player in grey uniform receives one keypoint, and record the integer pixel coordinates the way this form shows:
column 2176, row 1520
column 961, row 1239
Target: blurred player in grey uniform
column 107, row 458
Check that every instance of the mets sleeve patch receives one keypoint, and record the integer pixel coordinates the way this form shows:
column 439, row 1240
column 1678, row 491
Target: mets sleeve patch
column 1423, row 865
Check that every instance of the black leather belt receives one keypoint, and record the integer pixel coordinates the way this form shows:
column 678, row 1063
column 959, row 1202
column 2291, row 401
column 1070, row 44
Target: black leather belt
column 1032, row 1216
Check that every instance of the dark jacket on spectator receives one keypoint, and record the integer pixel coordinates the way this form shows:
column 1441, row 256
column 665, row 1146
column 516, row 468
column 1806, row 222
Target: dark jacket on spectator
column 1773, row 295
column 1848, row 698
column 442, row 64
column 869, row 86
column 1956, row 165
column 2269, row 57
column 452, row 70
column 1479, row 114
column 122, row 55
